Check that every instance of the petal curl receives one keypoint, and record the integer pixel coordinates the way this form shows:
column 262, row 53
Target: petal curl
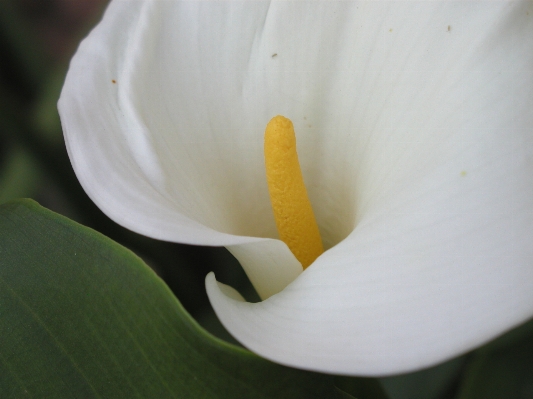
column 156, row 133
column 415, row 136
column 439, row 132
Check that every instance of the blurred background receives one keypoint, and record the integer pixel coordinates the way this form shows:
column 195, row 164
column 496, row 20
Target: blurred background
column 37, row 40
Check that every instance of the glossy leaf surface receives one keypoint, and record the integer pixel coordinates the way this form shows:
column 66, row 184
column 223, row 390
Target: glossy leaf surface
column 83, row 317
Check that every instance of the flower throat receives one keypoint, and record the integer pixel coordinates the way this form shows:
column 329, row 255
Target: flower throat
column 294, row 216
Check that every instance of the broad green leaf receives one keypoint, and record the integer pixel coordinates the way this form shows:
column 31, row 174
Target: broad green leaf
column 83, row 317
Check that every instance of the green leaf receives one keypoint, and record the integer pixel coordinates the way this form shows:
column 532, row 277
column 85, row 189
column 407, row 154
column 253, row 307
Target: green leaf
column 83, row 317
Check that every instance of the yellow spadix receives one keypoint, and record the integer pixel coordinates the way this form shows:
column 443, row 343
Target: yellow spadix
column 294, row 216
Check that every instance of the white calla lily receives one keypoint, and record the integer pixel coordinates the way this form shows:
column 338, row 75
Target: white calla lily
column 415, row 133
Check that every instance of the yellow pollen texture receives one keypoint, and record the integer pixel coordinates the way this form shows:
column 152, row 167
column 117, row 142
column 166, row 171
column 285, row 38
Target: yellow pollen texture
column 292, row 210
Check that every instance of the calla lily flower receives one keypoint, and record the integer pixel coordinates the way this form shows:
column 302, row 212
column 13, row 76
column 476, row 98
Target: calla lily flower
column 414, row 125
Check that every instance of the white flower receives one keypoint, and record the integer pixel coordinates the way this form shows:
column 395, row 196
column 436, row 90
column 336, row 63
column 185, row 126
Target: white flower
column 414, row 124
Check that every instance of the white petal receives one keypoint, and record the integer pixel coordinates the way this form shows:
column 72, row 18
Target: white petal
column 158, row 139
column 269, row 268
column 414, row 129
column 438, row 126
